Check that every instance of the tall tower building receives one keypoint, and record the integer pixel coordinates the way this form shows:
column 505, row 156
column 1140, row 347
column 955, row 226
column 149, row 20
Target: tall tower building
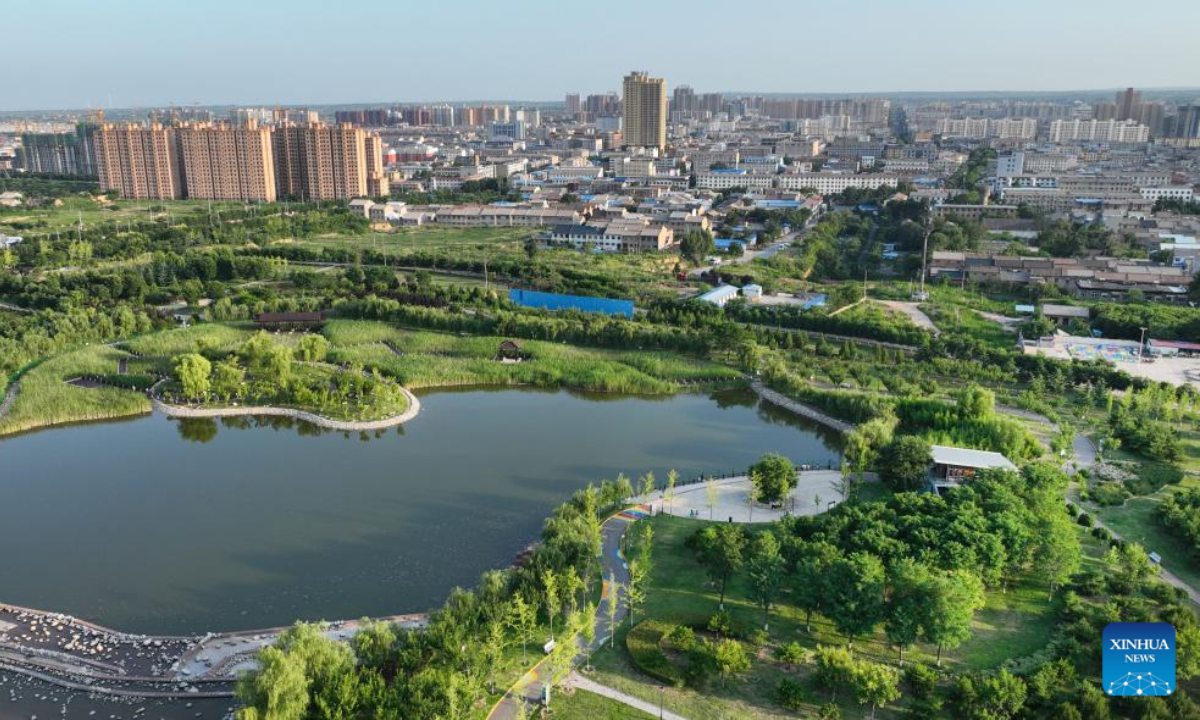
column 645, row 111
column 1129, row 104
column 138, row 161
column 223, row 162
column 572, row 103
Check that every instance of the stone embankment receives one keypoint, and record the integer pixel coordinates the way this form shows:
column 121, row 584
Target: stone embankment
column 800, row 409
column 183, row 411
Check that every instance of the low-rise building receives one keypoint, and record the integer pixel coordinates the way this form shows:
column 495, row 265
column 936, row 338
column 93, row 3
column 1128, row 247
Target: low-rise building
column 953, row 466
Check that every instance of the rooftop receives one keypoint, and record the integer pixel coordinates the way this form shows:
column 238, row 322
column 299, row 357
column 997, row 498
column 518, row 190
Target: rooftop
column 965, row 457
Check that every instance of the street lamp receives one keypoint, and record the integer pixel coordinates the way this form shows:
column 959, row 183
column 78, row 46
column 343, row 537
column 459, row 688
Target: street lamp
column 662, row 691
column 1142, row 345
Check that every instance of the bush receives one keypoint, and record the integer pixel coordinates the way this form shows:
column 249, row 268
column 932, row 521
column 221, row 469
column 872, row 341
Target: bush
column 792, row 694
column 1085, row 520
column 721, row 623
column 645, row 650
column 792, row 653
column 921, row 679
column 1109, row 493
column 682, row 637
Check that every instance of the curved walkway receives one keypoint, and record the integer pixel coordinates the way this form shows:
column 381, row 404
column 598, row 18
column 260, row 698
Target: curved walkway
column 414, row 407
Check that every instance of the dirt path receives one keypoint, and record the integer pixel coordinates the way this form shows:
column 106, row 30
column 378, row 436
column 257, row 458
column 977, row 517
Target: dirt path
column 914, row 313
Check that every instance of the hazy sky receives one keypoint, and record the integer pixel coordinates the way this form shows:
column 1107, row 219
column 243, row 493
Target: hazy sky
column 120, row 53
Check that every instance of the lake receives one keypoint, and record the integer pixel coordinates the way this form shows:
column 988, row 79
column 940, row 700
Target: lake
column 161, row 526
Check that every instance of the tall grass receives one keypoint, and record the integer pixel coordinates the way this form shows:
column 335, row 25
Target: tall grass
column 430, row 359
column 46, row 399
column 185, row 340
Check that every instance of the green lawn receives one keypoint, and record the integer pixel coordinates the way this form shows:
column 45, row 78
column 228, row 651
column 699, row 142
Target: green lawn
column 584, row 705
column 1137, row 521
column 1012, row 625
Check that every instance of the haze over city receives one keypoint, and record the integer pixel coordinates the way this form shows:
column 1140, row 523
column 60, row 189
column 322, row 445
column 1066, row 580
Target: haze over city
column 134, row 53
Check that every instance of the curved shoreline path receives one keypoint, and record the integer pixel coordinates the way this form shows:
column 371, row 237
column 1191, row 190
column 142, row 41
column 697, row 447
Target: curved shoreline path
column 10, row 396
column 182, row 411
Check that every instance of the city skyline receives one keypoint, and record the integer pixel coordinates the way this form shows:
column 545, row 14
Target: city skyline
column 215, row 63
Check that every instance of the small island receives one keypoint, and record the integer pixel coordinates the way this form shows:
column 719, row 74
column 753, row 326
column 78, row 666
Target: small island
column 285, row 374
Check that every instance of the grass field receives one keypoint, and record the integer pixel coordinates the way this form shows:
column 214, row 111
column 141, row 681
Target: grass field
column 81, row 208
column 1011, row 625
column 584, row 705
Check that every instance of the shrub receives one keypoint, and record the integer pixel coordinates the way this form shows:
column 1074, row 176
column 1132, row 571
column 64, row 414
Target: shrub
column 1085, row 520
column 921, row 679
column 682, row 637
column 792, row 653
column 1109, row 493
column 721, row 623
column 645, row 650
column 791, row 694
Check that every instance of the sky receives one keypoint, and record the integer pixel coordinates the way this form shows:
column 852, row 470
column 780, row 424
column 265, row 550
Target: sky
column 132, row 53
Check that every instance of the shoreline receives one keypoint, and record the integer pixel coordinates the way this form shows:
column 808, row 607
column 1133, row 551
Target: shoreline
column 799, row 408
column 181, row 411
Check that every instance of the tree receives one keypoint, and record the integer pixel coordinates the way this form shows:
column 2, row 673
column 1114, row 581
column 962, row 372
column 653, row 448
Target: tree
column 613, row 606
column 835, row 668
column 908, row 582
column 669, row 490
column 312, row 348
column 227, row 379
column 774, row 477
column 711, row 494
column 953, row 599
column 876, row 684
column 647, row 485
column 721, row 551
column 730, row 659
column 623, row 488
column 808, row 579
column 766, row 570
column 904, row 463
column 522, row 619
column 550, row 597
column 1057, row 554
column 192, row 371
column 854, row 594
column 997, row 697
column 278, row 690
column 697, row 245
column 635, row 591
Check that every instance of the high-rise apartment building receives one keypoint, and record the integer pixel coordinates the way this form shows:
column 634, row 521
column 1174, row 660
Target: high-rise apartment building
column 60, row 153
column 222, row 161
column 572, row 104
column 315, row 161
column 1119, row 131
column 644, row 113
column 138, row 161
column 226, row 162
column 377, row 180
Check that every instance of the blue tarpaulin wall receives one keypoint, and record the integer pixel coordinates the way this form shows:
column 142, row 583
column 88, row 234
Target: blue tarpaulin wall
column 555, row 301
